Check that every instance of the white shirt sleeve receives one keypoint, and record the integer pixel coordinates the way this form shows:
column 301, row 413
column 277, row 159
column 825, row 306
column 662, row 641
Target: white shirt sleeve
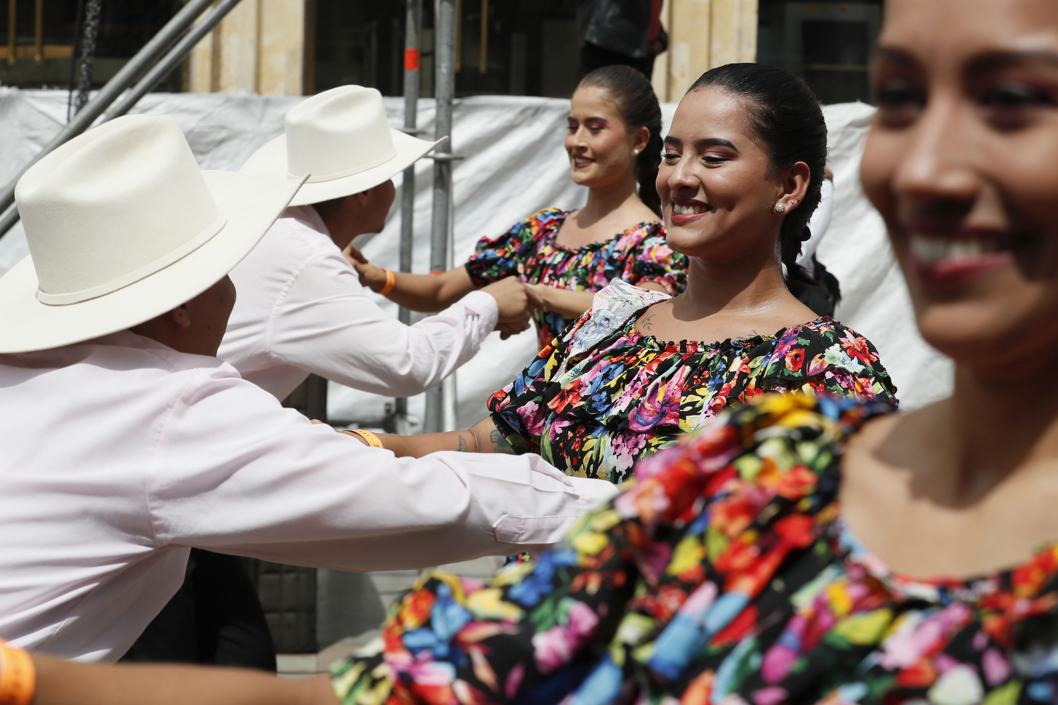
column 236, row 473
column 328, row 323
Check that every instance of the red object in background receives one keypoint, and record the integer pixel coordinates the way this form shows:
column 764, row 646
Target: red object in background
column 411, row 59
column 655, row 20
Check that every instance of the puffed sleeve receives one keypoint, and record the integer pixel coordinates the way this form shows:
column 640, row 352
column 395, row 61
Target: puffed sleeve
column 828, row 358
column 520, row 409
column 499, row 257
column 654, row 262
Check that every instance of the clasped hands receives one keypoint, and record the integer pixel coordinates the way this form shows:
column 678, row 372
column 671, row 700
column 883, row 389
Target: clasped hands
column 516, row 300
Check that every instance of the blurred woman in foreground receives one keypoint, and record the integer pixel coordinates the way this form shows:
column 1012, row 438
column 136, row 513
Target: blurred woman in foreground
column 814, row 551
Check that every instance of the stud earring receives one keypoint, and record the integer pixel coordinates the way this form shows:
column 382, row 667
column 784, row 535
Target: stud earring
column 780, row 207
column 635, row 151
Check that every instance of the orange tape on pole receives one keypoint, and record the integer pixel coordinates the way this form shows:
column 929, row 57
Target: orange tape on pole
column 412, row 59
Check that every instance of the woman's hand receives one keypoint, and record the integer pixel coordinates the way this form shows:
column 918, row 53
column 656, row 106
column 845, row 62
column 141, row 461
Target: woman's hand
column 571, row 304
column 374, row 278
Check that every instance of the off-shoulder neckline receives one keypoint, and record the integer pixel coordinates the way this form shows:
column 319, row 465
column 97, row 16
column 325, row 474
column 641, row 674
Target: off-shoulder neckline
column 593, row 245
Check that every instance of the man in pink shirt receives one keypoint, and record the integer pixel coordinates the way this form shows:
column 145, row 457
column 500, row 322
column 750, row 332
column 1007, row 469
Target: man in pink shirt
column 302, row 308
column 126, row 442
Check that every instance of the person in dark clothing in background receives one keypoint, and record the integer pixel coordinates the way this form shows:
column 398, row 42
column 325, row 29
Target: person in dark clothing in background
column 627, row 32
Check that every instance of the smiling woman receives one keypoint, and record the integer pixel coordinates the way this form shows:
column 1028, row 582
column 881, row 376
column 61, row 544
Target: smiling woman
column 739, row 179
column 613, row 143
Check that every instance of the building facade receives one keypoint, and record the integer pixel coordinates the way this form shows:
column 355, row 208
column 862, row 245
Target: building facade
column 512, row 47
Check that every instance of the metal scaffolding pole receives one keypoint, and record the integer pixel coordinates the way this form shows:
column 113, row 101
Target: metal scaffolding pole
column 143, row 62
column 412, row 84
column 440, row 401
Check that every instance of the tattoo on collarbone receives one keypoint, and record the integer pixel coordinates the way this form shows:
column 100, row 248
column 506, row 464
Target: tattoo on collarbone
column 500, row 443
column 463, row 448
column 647, row 322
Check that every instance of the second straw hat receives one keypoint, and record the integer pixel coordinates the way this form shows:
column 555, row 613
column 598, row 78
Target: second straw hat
column 342, row 140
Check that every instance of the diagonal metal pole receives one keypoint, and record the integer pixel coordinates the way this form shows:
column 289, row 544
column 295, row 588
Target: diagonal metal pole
column 437, row 402
column 170, row 61
column 134, row 69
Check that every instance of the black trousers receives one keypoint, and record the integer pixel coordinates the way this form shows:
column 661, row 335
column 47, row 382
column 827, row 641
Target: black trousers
column 594, row 57
column 215, row 618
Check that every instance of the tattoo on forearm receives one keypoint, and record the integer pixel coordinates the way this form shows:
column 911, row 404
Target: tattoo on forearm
column 462, row 445
column 500, row 443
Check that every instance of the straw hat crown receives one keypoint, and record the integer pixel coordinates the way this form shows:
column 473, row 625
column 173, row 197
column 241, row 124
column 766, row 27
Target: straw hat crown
column 79, row 199
column 338, row 133
column 341, row 138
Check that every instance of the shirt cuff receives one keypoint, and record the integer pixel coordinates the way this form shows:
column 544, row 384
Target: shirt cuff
column 484, row 305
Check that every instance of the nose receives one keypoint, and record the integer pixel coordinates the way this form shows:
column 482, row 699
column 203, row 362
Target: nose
column 577, row 139
column 938, row 162
column 682, row 178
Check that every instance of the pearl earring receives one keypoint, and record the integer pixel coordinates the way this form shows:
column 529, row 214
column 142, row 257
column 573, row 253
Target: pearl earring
column 635, row 151
column 780, row 207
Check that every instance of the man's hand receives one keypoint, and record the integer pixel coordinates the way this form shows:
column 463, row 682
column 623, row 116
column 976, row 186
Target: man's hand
column 374, row 278
column 515, row 301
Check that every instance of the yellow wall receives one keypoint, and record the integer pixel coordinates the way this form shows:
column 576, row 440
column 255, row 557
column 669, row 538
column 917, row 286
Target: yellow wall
column 258, row 48
column 703, row 34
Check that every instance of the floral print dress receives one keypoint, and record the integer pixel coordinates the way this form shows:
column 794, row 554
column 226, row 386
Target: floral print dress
column 530, row 252
column 723, row 575
column 604, row 395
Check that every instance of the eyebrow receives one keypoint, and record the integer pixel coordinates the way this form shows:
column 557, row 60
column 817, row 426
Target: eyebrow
column 893, row 54
column 1002, row 59
column 990, row 61
column 707, row 142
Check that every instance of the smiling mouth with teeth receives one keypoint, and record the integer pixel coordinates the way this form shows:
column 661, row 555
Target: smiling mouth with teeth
column 931, row 250
column 689, row 209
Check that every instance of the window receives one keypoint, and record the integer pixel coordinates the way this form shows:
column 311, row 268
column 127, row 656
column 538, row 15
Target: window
column 532, row 47
column 827, row 44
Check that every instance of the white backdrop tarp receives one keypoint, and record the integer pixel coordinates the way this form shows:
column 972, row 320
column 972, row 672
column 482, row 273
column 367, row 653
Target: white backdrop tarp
column 514, row 164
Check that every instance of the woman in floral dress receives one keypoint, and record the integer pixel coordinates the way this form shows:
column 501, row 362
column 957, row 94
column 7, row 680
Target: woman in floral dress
column 614, row 144
column 740, row 177
column 811, row 550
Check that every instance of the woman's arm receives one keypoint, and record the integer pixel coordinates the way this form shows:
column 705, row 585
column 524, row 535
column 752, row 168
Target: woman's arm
column 483, row 437
column 427, row 293
column 573, row 304
column 68, row 683
column 570, row 304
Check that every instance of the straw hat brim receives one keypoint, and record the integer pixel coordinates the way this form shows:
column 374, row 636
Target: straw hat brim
column 271, row 161
column 250, row 205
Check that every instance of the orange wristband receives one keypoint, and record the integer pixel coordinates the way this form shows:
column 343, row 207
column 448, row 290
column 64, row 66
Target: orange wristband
column 18, row 677
column 391, row 280
column 370, row 438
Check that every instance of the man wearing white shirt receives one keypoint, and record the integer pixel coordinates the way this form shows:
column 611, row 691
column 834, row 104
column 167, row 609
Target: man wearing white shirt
column 301, row 307
column 126, row 442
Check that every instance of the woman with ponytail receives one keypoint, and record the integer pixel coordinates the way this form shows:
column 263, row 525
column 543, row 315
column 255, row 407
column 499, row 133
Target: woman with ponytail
column 614, row 147
column 739, row 179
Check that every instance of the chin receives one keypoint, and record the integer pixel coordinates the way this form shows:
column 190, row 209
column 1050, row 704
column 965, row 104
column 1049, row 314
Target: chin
column 584, row 177
column 998, row 332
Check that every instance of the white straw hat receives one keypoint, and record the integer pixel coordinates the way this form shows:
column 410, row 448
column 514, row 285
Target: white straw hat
column 342, row 139
column 123, row 226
